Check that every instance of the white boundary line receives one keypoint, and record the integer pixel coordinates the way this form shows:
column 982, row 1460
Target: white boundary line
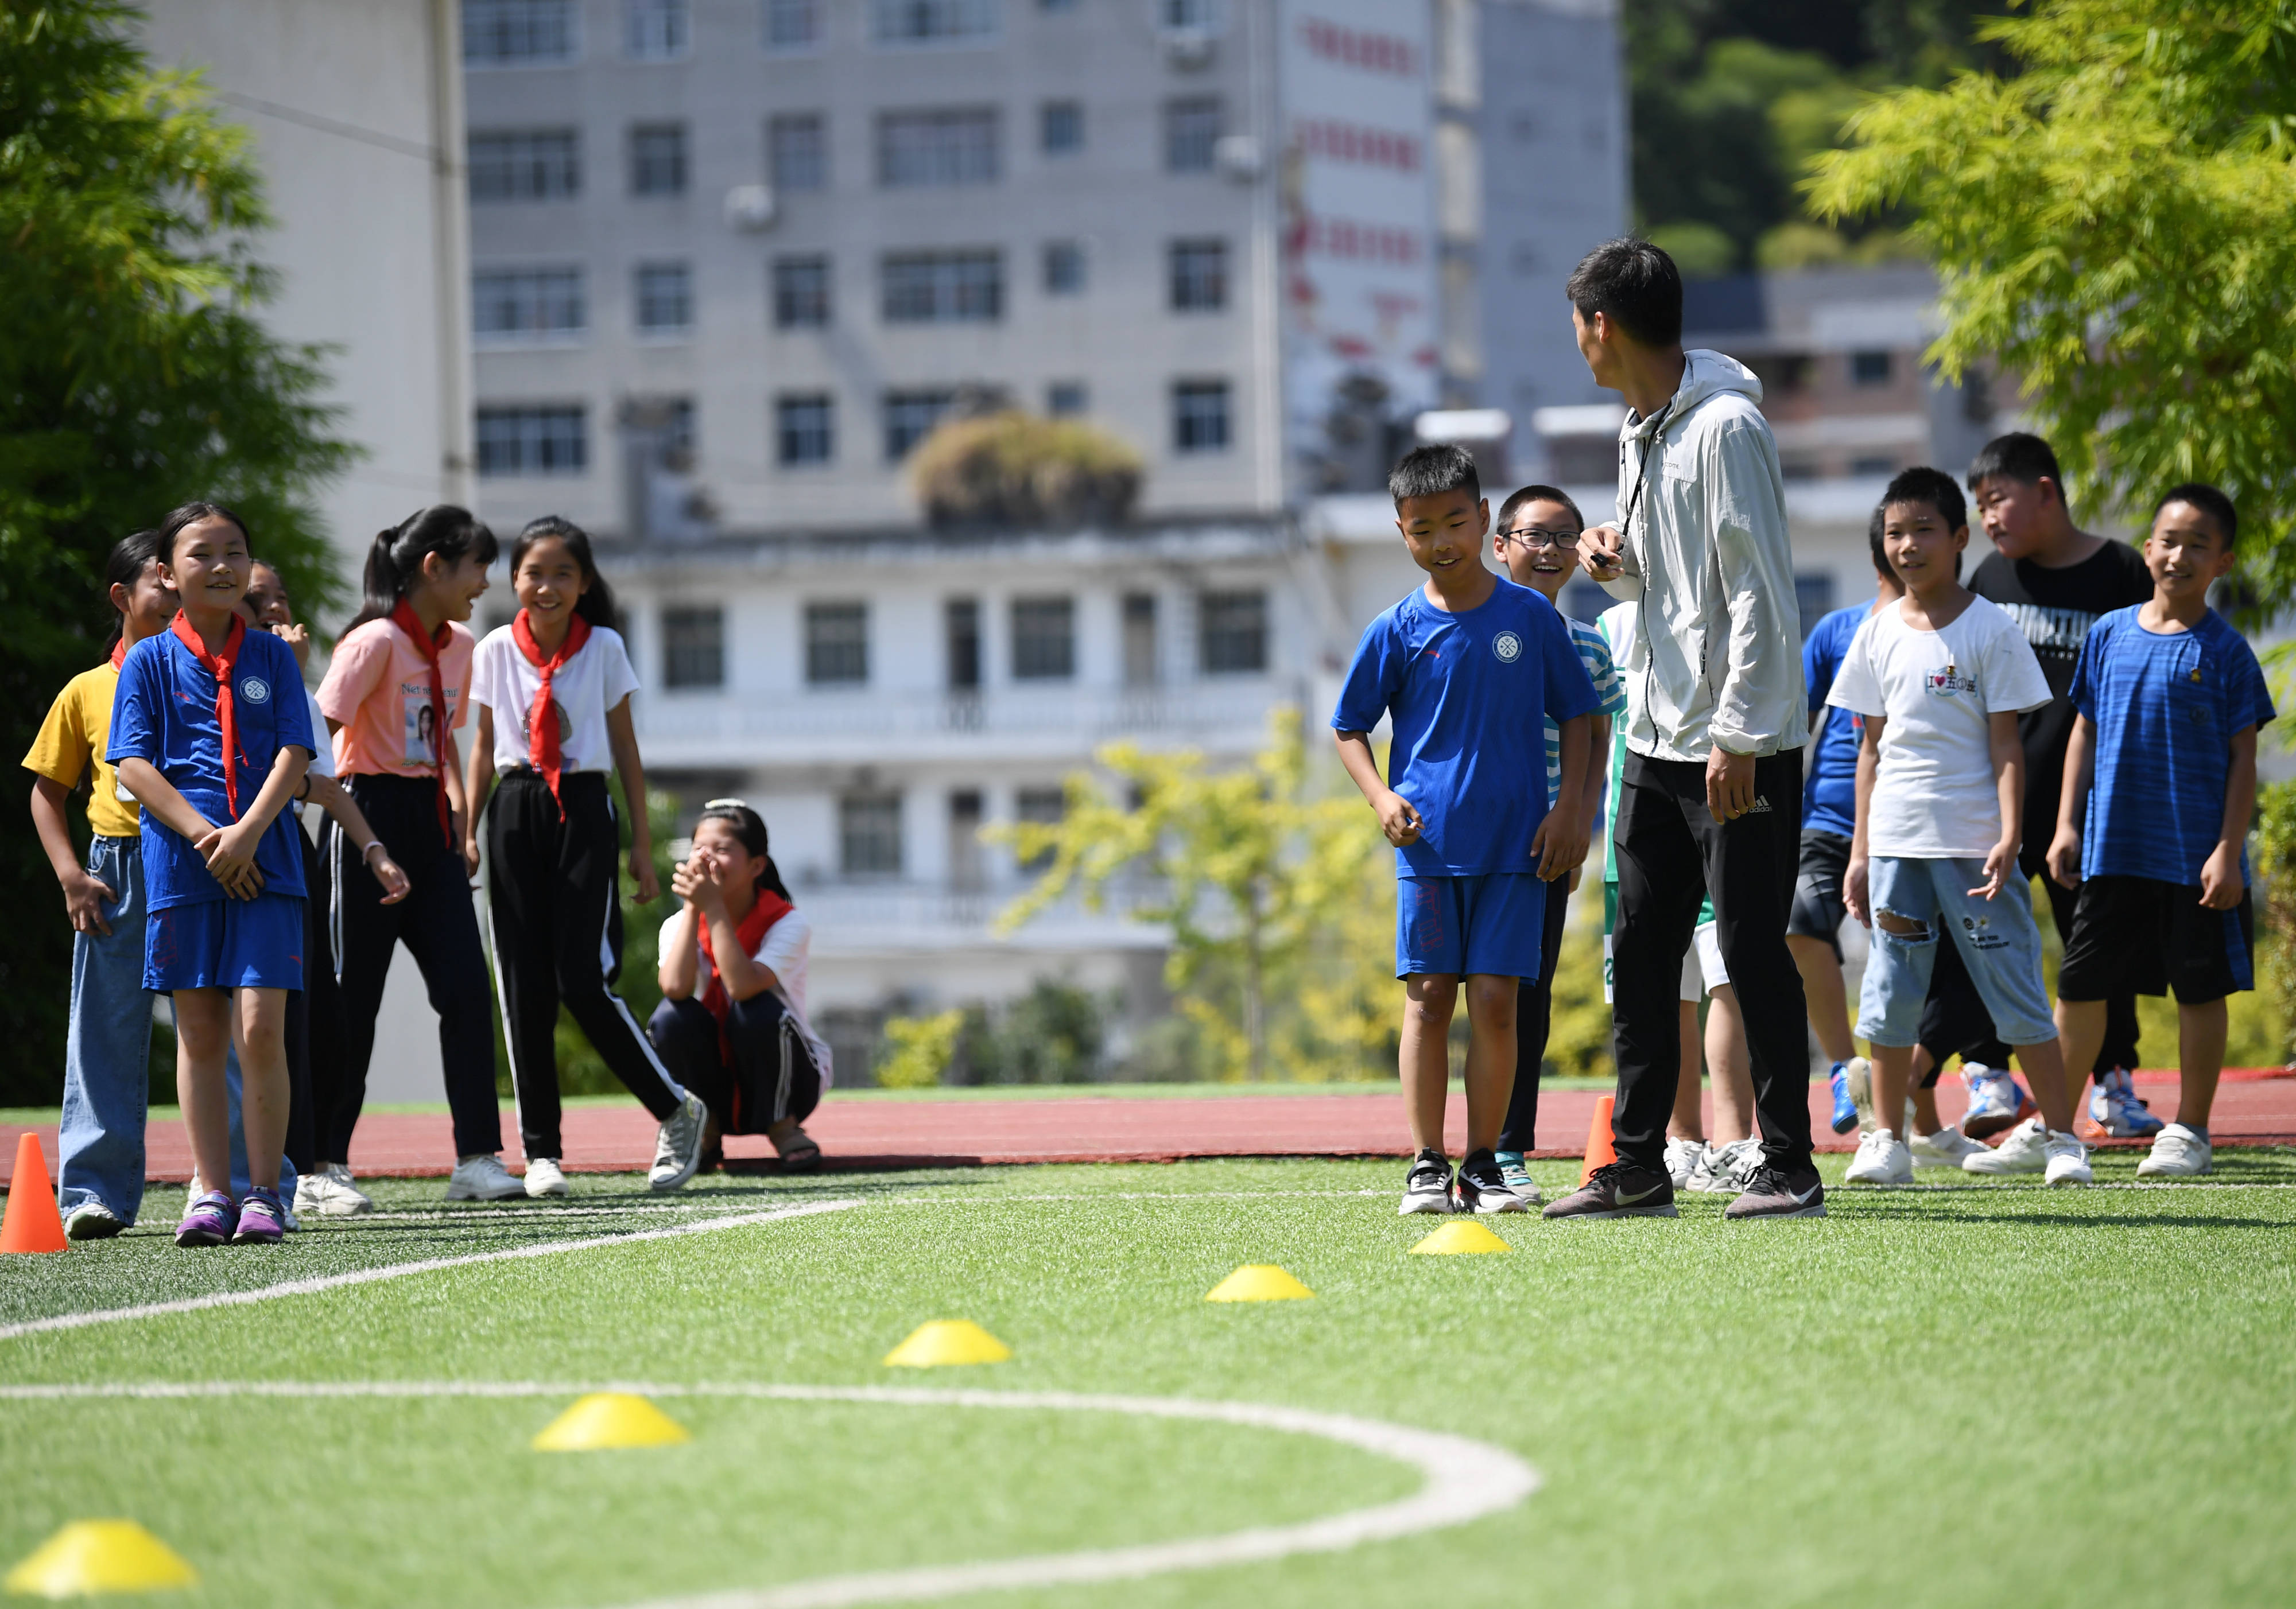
column 1464, row 1480
column 400, row 1271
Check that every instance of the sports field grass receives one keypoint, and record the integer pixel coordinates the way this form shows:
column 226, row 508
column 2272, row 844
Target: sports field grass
column 1978, row 1392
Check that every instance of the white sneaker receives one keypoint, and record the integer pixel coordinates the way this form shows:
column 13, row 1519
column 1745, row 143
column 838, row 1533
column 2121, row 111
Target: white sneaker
column 1723, row 1170
column 482, row 1177
column 329, row 1192
column 1946, row 1148
column 1683, row 1158
column 1882, row 1159
column 545, row 1177
column 2067, row 1161
column 2178, row 1152
column 677, row 1148
column 1859, row 1073
column 2024, row 1150
column 93, row 1220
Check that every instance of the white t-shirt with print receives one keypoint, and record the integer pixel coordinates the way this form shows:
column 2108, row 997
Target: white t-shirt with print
column 596, row 679
column 783, row 951
column 1934, row 794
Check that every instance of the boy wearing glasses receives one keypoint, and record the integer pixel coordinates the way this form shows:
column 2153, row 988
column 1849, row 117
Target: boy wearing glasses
column 1537, row 544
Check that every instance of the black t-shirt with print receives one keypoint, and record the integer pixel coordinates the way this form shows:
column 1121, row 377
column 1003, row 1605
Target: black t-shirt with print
column 2054, row 610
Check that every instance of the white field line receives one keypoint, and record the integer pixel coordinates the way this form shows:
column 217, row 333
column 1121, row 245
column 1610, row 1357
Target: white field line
column 400, row 1271
column 484, row 1214
column 1464, row 1480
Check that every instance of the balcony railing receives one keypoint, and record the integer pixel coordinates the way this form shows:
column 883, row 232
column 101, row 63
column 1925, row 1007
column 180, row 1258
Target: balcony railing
column 850, row 918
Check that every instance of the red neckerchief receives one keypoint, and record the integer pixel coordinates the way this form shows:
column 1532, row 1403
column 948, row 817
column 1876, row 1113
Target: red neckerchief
column 220, row 666
column 119, row 653
column 769, row 909
column 405, row 619
column 541, row 729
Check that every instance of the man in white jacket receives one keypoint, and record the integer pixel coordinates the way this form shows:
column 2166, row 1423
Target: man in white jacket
column 1710, row 803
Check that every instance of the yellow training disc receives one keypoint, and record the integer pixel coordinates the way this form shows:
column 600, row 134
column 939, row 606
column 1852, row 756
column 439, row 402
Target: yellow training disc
column 1459, row 1236
column 947, row 1341
column 1257, row 1282
column 610, row 1418
column 101, row 1556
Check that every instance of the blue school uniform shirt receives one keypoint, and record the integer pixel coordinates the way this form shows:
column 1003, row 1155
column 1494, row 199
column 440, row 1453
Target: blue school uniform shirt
column 1464, row 693
column 164, row 713
column 1609, row 698
column 1829, row 799
column 2165, row 707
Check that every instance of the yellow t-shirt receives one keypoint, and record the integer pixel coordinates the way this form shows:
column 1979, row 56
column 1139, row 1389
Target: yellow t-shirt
column 77, row 731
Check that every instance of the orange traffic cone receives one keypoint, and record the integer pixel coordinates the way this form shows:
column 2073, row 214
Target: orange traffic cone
column 33, row 1223
column 1600, row 1153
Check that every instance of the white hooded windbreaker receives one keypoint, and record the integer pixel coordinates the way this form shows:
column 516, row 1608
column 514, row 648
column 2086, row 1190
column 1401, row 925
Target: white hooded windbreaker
column 1718, row 659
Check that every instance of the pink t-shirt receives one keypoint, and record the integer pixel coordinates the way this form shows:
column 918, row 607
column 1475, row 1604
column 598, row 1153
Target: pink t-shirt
column 378, row 687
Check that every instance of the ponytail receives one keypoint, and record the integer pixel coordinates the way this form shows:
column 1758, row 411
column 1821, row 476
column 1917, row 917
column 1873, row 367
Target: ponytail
column 131, row 556
column 750, row 827
column 396, row 560
column 596, row 603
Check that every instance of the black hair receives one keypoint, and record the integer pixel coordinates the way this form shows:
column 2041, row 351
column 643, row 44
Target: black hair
column 397, row 556
column 2209, row 499
column 750, row 827
column 130, row 557
column 1875, row 529
column 1540, row 495
column 1433, row 471
column 596, row 603
column 2020, row 456
column 1637, row 284
column 179, row 520
column 1935, row 487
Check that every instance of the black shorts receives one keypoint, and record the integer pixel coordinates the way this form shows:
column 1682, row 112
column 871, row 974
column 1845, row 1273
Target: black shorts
column 1817, row 909
column 2145, row 935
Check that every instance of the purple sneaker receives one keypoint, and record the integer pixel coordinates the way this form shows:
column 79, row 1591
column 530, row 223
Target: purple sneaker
column 210, row 1222
column 262, row 1221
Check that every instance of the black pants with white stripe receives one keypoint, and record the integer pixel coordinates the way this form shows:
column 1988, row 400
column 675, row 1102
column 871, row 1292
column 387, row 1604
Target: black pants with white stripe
column 554, row 916
column 770, row 1075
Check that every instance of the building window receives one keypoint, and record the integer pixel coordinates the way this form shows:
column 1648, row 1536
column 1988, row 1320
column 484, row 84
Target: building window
column 1878, row 465
column 961, row 620
column 910, row 417
column 525, row 165
column 1232, row 632
column 943, row 287
column 1813, row 598
column 653, row 30
column 658, row 158
column 665, row 297
column 1139, row 640
column 1869, row 368
column 1058, row 5
column 517, row 33
column 527, row 303
column 1200, row 416
column 836, row 643
column 1199, row 275
column 801, row 293
column 805, row 430
column 1039, row 808
column 792, row 24
column 936, row 148
column 797, row 152
column 966, row 874
column 1192, row 15
column 693, row 647
column 928, row 22
column 674, row 429
column 1060, row 128
column 1044, row 639
column 869, row 835
column 533, row 441
column 1067, row 399
column 1192, row 131
column 1064, row 267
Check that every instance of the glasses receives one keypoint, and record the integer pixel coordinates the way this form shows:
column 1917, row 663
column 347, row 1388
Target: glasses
column 1530, row 538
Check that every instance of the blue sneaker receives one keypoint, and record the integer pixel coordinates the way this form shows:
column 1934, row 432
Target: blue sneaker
column 1845, row 1110
column 1996, row 1100
column 2113, row 1106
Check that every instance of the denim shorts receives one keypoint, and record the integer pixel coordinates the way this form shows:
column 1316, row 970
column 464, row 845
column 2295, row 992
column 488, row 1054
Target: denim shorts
column 1998, row 943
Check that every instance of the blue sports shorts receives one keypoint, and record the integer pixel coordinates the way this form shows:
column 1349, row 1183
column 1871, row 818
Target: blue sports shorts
column 1462, row 926
column 227, row 944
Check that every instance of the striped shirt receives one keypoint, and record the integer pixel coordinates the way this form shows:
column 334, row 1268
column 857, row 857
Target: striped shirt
column 1609, row 695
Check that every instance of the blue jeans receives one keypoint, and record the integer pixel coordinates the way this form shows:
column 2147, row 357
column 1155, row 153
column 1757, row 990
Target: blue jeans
column 1998, row 943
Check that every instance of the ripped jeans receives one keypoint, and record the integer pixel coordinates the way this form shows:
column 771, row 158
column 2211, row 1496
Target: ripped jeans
column 1998, row 943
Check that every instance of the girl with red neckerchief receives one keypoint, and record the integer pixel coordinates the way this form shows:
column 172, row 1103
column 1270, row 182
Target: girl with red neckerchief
column 394, row 694
column 552, row 691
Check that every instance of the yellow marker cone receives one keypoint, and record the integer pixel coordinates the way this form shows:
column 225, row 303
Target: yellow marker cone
column 101, row 1556
column 610, row 1418
column 1459, row 1236
column 1257, row 1282
column 947, row 1341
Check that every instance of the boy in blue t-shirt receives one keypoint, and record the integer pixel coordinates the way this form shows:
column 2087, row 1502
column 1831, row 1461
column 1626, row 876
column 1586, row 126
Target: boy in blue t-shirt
column 1467, row 668
column 2160, row 788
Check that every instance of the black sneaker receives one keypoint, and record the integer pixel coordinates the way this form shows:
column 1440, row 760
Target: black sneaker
column 1427, row 1189
column 1484, row 1189
column 1620, row 1189
column 1774, row 1192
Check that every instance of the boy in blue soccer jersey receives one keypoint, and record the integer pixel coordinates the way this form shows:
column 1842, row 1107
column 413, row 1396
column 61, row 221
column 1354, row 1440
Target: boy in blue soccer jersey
column 1464, row 666
column 2152, row 824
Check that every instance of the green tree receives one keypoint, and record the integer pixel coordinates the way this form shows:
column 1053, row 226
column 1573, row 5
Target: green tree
column 133, row 376
column 2111, row 226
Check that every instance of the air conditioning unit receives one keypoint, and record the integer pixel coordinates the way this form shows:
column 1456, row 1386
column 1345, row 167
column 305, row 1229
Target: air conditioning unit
column 1188, row 49
column 1237, row 156
column 751, row 208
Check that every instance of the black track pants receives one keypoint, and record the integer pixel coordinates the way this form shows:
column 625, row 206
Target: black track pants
column 315, row 1025
column 554, row 921
column 770, row 1076
column 1672, row 854
column 1534, row 1013
column 439, row 926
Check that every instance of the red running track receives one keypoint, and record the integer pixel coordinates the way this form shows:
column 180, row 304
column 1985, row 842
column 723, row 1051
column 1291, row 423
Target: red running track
column 2253, row 1107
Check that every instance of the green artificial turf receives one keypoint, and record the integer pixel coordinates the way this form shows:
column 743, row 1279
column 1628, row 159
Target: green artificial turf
column 1980, row 1392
